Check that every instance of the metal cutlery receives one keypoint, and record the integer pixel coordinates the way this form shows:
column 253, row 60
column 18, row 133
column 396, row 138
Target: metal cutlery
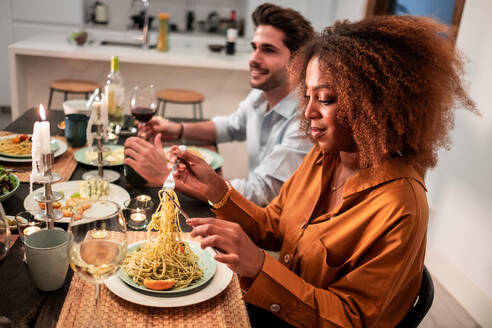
column 216, row 250
column 177, row 205
column 169, row 182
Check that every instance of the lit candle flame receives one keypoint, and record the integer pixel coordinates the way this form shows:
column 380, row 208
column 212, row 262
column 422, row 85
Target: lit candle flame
column 41, row 112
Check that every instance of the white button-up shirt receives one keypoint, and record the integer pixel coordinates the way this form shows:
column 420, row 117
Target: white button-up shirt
column 276, row 146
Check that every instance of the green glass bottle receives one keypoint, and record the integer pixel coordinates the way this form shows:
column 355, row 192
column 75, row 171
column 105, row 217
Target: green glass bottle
column 115, row 94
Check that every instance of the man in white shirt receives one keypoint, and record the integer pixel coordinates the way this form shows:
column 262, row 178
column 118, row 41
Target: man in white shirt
column 267, row 118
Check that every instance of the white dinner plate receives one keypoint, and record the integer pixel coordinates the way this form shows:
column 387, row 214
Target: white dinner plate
column 53, row 144
column 217, row 284
column 62, row 148
column 116, row 194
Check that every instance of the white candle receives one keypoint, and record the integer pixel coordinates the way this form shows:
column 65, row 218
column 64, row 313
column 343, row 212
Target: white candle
column 30, row 230
column 101, row 109
column 40, row 146
column 138, row 217
column 41, row 134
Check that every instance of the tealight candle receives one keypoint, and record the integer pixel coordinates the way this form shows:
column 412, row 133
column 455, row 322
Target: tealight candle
column 30, row 230
column 138, row 217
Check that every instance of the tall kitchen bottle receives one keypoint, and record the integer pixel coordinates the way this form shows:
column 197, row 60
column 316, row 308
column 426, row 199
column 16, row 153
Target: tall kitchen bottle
column 231, row 34
column 115, row 94
column 163, row 40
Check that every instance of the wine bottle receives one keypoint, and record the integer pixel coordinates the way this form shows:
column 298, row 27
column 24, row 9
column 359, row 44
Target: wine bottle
column 115, row 94
column 231, row 34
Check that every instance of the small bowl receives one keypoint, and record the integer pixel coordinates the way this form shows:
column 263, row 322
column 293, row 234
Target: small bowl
column 80, row 38
column 216, row 47
column 76, row 106
column 10, row 193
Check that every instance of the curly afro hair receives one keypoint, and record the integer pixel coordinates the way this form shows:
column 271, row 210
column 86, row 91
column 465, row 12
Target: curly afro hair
column 397, row 80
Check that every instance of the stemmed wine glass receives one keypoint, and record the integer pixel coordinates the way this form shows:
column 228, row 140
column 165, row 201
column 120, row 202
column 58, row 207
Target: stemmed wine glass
column 4, row 234
column 97, row 244
column 143, row 103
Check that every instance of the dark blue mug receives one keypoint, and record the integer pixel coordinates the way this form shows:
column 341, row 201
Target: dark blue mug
column 75, row 129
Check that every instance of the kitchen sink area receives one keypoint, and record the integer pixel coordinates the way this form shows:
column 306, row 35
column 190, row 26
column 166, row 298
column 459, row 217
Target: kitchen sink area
column 120, row 43
column 116, row 43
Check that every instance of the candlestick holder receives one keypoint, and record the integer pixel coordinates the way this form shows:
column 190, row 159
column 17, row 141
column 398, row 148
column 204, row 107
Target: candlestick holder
column 100, row 173
column 46, row 195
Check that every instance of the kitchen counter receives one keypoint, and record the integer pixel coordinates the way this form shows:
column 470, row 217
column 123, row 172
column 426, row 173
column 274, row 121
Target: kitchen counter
column 37, row 61
column 185, row 50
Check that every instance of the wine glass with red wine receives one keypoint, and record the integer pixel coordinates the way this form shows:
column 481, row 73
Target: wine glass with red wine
column 143, row 103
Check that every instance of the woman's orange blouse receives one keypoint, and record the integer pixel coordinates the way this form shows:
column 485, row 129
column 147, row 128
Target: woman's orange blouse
column 359, row 265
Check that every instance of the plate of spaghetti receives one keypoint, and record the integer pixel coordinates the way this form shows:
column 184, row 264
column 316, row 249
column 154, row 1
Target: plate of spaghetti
column 20, row 146
column 167, row 264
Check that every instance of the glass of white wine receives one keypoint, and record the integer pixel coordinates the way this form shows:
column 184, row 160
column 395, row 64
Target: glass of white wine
column 97, row 244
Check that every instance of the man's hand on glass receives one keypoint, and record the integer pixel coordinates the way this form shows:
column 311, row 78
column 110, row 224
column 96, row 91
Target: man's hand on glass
column 147, row 159
column 169, row 130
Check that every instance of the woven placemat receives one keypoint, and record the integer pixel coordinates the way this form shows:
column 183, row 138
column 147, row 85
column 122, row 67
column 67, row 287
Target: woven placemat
column 224, row 310
column 64, row 164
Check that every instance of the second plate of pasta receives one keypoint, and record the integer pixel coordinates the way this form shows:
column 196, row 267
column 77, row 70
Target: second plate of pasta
column 20, row 146
column 205, row 261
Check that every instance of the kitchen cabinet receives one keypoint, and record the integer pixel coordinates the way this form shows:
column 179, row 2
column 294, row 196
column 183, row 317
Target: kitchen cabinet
column 48, row 11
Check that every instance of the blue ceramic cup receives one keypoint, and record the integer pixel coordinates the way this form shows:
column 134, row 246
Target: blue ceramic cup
column 75, row 129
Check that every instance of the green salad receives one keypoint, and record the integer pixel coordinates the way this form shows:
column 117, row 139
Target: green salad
column 7, row 182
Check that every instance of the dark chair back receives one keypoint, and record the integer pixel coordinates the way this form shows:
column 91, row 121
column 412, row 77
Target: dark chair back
column 423, row 304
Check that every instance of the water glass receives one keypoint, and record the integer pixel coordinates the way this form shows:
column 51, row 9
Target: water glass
column 4, row 236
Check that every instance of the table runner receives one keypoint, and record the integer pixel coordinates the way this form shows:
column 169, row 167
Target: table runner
column 224, row 310
column 64, row 164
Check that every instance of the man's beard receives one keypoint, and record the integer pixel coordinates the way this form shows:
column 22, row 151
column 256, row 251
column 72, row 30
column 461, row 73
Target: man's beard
column 276, row 79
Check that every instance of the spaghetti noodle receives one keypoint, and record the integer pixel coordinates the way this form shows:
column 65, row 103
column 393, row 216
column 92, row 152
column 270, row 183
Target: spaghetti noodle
column 20, row 145
column 167, row 257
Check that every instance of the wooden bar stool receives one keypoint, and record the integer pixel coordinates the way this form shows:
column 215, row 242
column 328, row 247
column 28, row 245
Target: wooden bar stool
column 179, row 96
column 72, row 86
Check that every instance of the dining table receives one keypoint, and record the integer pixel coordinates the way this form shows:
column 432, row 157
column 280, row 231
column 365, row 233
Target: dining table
column 70, row 306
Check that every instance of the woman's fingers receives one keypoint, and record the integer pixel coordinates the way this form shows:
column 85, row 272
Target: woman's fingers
column 194, row 222
column 185, row 155
column 229, row 259
column 240, row 254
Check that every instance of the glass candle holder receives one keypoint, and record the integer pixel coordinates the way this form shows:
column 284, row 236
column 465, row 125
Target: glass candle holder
column 138, row 212
column 28, row 224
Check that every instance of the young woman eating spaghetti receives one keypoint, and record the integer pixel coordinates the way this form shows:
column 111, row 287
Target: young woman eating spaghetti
column 351, row 222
